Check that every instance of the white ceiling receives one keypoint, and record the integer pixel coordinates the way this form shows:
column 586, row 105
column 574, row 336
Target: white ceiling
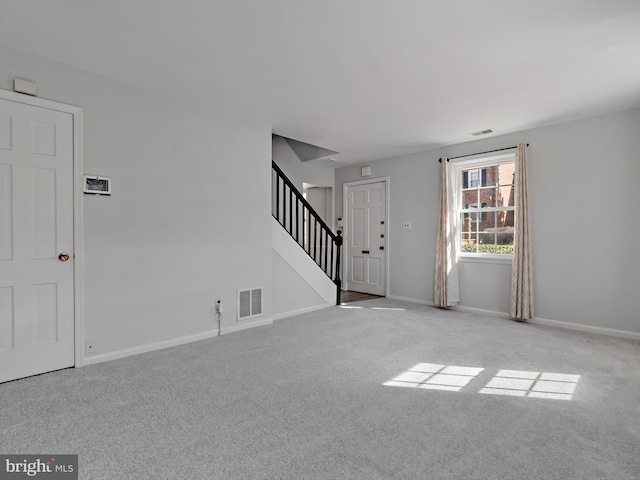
column 367, row 78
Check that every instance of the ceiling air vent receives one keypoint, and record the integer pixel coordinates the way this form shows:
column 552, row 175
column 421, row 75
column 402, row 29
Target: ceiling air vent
column 249, row 303
column 482, row 132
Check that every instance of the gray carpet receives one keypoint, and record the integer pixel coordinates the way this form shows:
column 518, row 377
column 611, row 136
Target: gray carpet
column 304, row 399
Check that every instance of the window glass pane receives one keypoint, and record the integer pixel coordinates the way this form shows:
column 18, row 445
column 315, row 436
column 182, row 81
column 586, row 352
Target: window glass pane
column 488, row 227
column 473, row 178
column 506, row 219
column 504, row 232
column 469, row 197
column 474, row 217
column 487, row 197
column 468, row 242
column 505, row 174
column 505, row 196
column 490, row 176
column 468, row 223
column 505, row 238
column 487, row 238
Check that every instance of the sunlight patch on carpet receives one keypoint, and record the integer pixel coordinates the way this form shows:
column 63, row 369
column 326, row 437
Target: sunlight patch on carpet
column 516, row 383
column 556, row 386
column 431, row 376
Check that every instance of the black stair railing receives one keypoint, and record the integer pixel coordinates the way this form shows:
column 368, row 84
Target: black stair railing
column 306, row 227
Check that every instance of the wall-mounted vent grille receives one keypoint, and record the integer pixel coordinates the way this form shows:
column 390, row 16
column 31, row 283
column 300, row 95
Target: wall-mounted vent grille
column 482, row 132
column 249, row 303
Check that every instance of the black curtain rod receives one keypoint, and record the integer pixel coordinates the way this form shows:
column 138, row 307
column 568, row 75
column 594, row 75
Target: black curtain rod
column 481, row 153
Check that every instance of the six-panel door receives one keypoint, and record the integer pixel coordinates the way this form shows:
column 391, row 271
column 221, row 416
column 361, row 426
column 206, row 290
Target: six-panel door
column 36, row 228
column 366, row 237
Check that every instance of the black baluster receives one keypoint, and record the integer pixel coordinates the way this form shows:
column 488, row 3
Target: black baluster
column 326, row 248
column 321, row 243
column 297, row 220
column 315, row 238
column 277, row 196
column 290, row 211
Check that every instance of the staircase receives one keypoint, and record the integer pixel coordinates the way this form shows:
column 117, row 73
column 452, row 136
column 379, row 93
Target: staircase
column 306, row 228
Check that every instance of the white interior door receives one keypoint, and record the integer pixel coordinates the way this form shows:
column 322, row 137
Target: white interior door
column 36, row 231
column 366, row 238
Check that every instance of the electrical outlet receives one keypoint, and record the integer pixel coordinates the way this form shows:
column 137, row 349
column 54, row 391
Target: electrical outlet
column 406, row 225
column 219, row 306
column 88, row 347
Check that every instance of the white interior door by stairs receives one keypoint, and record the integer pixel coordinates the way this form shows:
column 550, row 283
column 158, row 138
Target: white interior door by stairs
column 36, row 240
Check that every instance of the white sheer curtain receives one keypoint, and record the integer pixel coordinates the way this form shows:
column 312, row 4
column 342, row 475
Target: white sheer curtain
column 521, row 299
column 446, row 291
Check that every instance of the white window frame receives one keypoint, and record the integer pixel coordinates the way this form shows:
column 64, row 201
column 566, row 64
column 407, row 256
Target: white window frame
column 458, row 165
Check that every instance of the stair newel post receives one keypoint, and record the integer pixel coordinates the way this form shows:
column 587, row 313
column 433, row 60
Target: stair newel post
column 337, row 279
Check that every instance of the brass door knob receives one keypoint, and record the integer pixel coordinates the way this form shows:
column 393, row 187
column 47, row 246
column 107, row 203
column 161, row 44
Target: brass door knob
column 63, row 257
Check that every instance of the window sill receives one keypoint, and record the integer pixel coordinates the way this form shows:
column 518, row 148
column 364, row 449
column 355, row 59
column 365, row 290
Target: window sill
column 485, row 258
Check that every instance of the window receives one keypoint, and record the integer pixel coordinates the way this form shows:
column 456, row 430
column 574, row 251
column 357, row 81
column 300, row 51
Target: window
column 485, row 205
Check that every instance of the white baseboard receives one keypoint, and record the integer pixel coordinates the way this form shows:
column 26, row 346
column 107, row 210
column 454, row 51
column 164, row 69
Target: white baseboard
column 244, row 325
column 481, row 311
column 539, row 321
column 587, row 328
column 299, row 311
column 174, row 342
column 411, row 300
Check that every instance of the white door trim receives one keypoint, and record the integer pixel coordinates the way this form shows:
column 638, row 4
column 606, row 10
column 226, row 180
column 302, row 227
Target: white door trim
column 78, row 223
column 345, row 215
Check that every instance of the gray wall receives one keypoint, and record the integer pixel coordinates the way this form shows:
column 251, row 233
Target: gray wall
column 290, row 291
column 584, row 186
column 189, row 218
column 321, row 199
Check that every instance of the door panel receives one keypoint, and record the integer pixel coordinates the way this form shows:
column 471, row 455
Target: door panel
column 6, row 221
column 43, row 138
column 6, row 318
column 36, row 218
column 366, row 238
column 45, row 313
column 5, row 131
column 375, row 271
column 357, row 269
column 43, row 213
